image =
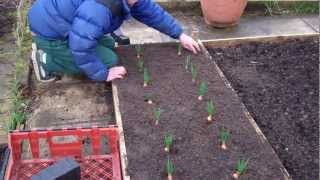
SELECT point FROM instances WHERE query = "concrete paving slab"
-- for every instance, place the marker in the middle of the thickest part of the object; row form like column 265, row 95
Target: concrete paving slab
column 4, row 108
column 4, row 88
column 7, row 67
column 140, row 33
column 312, row 21
column 7, row 61
column 249, row 26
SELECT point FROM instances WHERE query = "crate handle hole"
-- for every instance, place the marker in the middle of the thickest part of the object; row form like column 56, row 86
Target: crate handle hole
column 65, row 139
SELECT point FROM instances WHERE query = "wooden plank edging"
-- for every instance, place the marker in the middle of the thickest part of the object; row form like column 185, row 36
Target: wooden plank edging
column 268, row 38
column 122, row 144
column 244, row 108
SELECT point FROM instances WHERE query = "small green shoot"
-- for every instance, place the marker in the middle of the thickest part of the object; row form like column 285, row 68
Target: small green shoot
column 210, row 110
column 187, row 63
column 179, row 49
column 146, row 77
column 157, row 113
column 170, row 168
column 140, row 65
column 203, row 88
column 242, row 166
column 224, row 136
column 138, row 50
column 194, row 72
column 168, row 139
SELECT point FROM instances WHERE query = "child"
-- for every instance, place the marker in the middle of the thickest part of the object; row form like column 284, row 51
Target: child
column 71, row 35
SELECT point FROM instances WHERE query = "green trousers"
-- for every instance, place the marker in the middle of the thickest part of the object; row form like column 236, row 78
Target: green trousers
column 60, row 61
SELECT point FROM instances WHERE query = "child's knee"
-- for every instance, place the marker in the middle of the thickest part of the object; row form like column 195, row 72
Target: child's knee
column 108, row 42
column 113, row 61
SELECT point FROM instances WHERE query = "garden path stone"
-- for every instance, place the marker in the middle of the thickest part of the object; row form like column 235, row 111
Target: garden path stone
column 312, row 21
column 7, row 67
column 249, row 26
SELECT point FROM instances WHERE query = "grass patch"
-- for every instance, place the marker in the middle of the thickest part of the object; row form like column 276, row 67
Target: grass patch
column 305, row 7
column 19, row 104
column 291, row 8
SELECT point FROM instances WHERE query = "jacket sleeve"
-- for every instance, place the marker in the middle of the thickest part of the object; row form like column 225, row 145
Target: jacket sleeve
column 151, row 14
column 88, row 27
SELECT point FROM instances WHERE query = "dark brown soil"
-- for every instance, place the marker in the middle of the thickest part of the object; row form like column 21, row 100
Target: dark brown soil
column 279, row 84
column 197, row 153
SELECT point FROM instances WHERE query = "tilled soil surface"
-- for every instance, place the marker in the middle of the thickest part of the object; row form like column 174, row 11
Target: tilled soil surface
column 279, row 84
column 196, row 151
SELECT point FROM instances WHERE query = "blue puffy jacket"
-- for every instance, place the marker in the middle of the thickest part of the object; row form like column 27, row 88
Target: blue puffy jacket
column 84, row 22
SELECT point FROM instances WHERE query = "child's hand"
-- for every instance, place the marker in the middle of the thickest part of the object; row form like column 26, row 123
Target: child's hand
column 189, row 43
column 116, row 73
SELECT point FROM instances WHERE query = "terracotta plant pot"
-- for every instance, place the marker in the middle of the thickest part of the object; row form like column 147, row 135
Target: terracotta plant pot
column 222, row 13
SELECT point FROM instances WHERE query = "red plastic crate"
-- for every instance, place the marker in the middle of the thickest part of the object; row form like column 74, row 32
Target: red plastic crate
column 96, row 166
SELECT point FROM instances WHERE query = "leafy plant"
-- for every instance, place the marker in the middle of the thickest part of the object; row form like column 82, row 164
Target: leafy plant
column 194, row 72
column 157, row 113
column 168, row 140
column 294, row 8
column 210, row 110
column 138, row 50
column 187, row 63
column 140, row 65
column 242, row 166
column 18, row 106
column 306, row 7
column 272, row 7
column 146, row 77
column 203, row 88
column 170, row 168
column 12, row 125
column 224, row 136
column 179, row 49
column 18, row 117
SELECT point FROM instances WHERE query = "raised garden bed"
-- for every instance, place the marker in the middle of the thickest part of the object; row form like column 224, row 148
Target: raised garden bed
column 279, row 84
column 71, row 103
column 196, row 151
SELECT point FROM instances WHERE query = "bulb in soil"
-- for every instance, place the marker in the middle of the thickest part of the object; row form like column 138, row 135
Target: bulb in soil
column 138, row 56
column 145, row 84
column 170, row 177
column 149, row 101
column 179, row 53
column 209, row 118
column 157, row 122
column 224, row 146
column 200, row 98
column 235, row 175
column 166, row 149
